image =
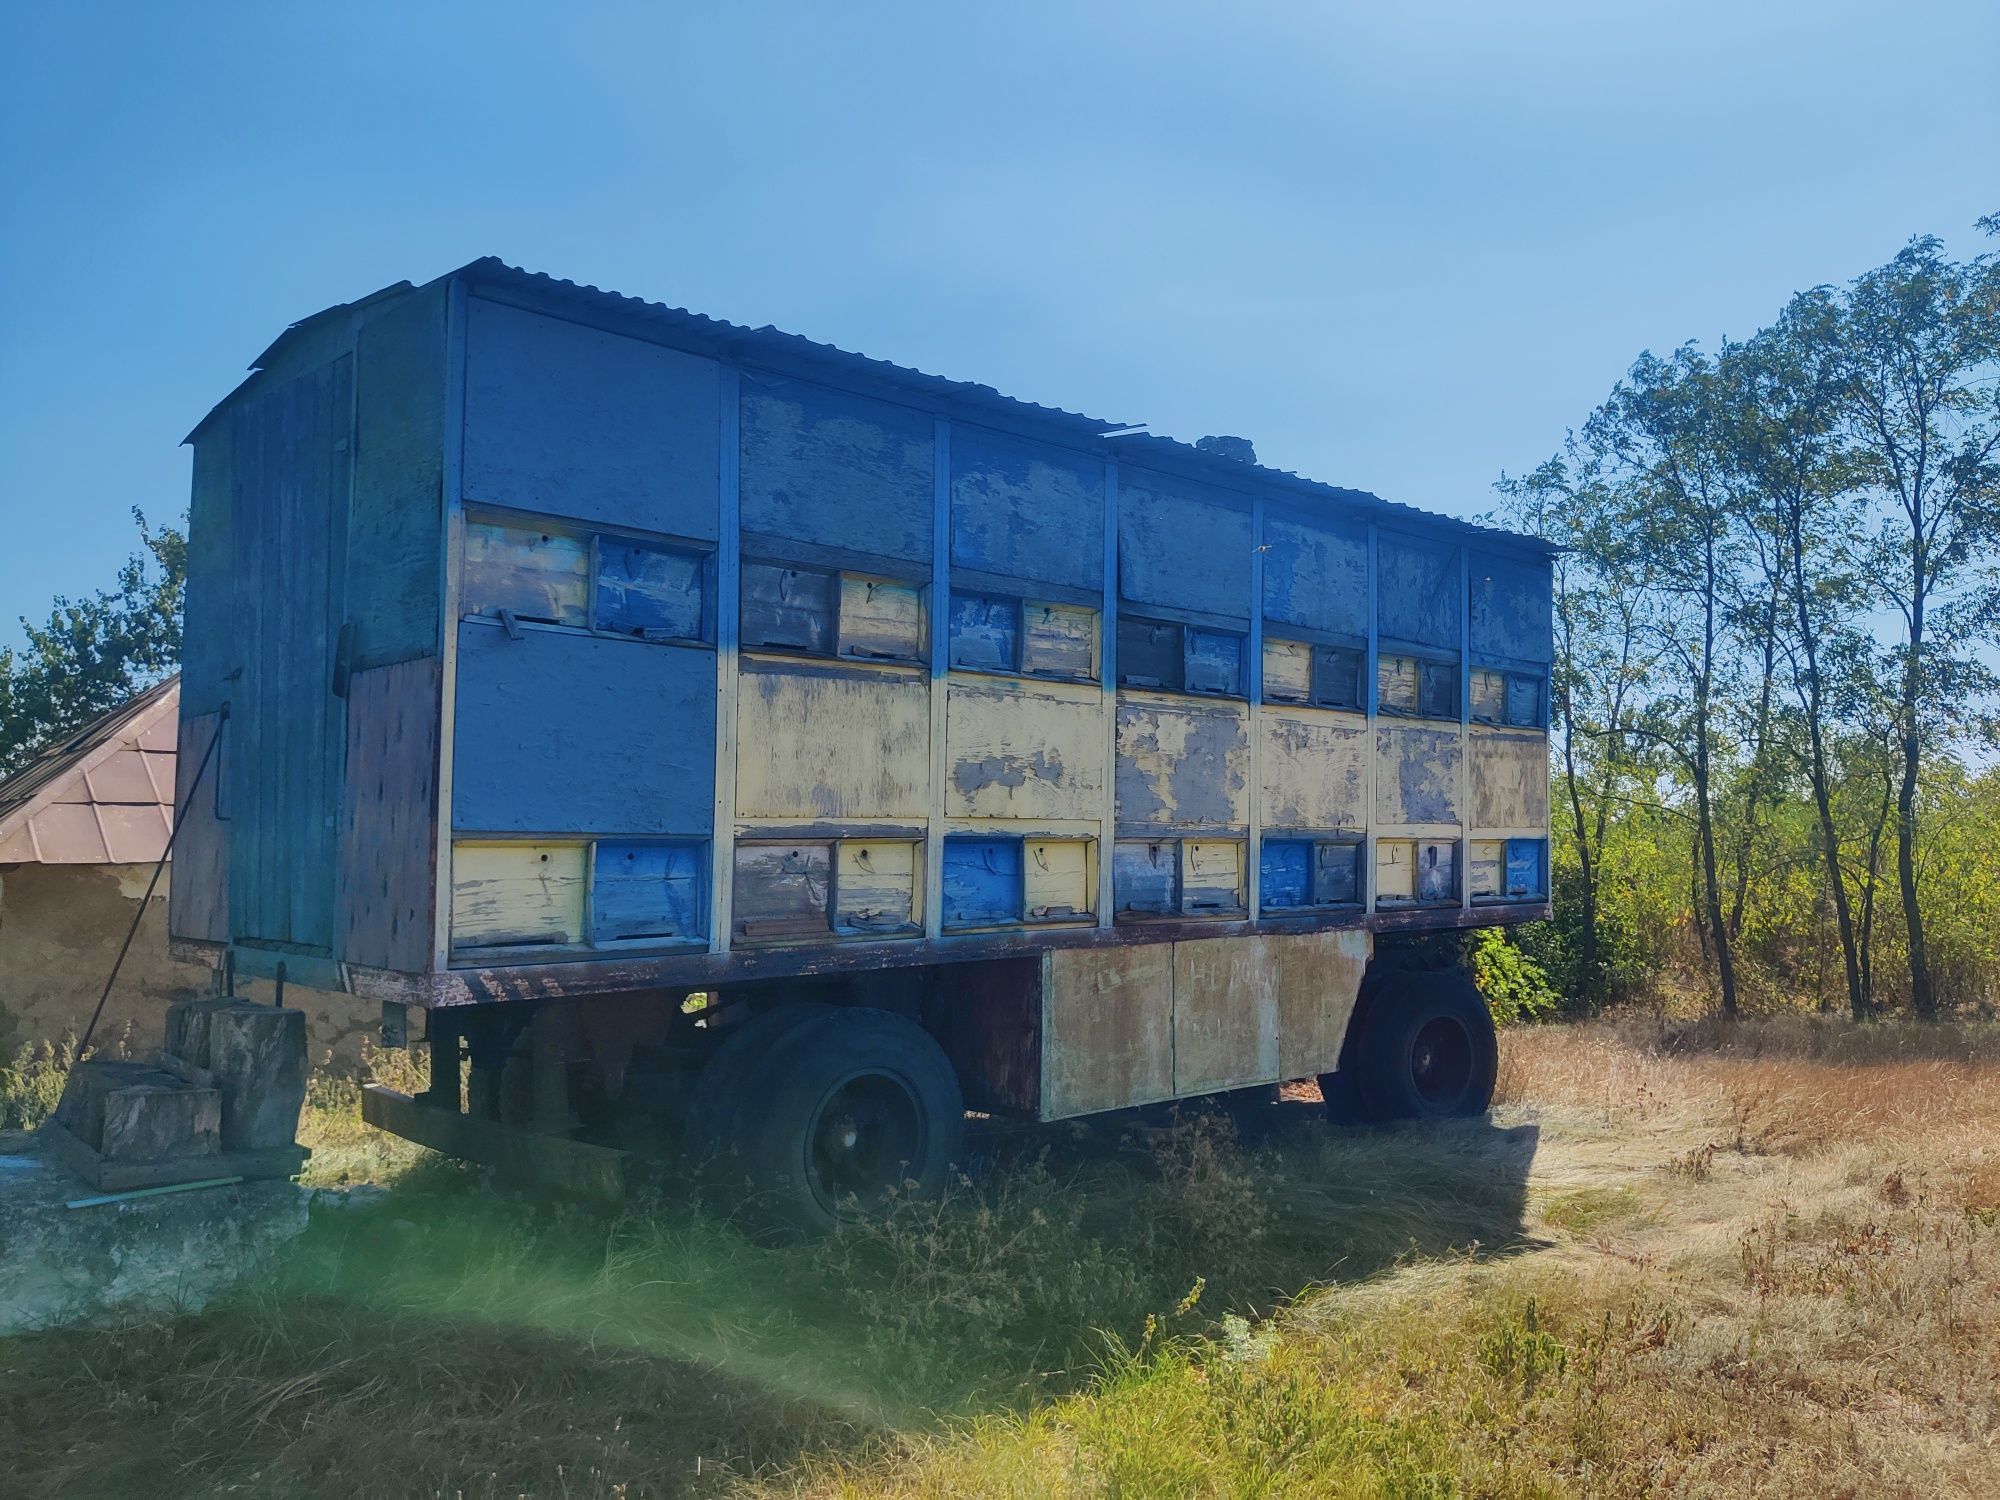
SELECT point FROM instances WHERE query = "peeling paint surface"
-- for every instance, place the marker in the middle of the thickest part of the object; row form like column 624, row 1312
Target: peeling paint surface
column 826, row 466
column 832, row 743
column 1182, row 764
column 1418, row 594
column 1316, row 573
column 1026, row 510
column 1179, row 544
column 1416, row 779
column 1509, row 780
column 1315, row 769
column 1510, row 608
column 1023, row 750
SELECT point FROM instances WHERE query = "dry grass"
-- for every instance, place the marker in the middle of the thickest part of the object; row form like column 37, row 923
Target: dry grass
column 1682, row 1260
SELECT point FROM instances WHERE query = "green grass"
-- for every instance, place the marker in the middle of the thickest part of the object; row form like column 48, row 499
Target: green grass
column 1224, row 1306
column 462, row 1338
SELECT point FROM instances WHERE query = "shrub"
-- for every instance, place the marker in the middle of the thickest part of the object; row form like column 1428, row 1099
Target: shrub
column 31, row 1085
column 1515, row 986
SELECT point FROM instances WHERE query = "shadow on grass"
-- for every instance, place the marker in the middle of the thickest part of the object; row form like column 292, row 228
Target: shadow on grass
column 462, row 1338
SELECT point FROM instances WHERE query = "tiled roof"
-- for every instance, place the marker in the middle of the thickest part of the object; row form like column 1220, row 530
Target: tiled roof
column 103, row 796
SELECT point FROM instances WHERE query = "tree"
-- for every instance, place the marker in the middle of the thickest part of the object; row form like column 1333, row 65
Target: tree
column 1807, row 526
column 94, row 652
column 1664, row 433
column 1920, row 406
column 1601, row 662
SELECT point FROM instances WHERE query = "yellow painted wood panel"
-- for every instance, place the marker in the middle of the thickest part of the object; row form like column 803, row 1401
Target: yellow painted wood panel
column 1315, row 769
column 1395, row 870
column 1396, row 679
column 1107, row 1028
column 538, row 575
column 831, row 744
column 880, row 617
column 1059, row 639
column 1182, row 763
column 1509, row 780
column 1318, row 978
column 875, row 885
column 1489, row 695
column 507, row 894
column 1211, row 876
column 1486, row 866
column 1287, row 671
column 1024, row 750
column 1225, row 1014
column 1061, row 880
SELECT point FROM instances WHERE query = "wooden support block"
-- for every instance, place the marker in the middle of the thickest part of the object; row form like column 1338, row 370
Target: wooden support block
column 258, row 1056
column 153, row 1123
column 87, row 1094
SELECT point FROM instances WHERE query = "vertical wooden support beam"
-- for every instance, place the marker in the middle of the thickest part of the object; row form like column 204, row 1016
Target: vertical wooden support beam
column 728, row 614
column 1370, row 680
column 447, row 1065
column 1465, row 728
column 552, row 1029
column 1107, row 668
column 449, row 568
column 1253, row 677
column 940, row 628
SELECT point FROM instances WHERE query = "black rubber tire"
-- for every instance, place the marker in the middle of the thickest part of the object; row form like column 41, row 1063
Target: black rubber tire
column 730, row 1080
column 836, row 1111
column 1342, row 1097
column 1427, row 1050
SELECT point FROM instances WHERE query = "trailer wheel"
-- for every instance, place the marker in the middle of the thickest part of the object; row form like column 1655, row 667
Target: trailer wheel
column 1427, row 1050
column 827, row 1116
column 729, row 1081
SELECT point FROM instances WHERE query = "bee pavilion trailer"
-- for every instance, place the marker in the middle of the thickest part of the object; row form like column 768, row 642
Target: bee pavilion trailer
column 695, row 718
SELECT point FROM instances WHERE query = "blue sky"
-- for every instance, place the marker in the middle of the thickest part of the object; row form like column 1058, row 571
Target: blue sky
column 1400, row 247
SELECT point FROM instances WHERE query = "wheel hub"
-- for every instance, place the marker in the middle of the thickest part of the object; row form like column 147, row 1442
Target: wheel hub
column 868, row 1132
column 1441, row 1063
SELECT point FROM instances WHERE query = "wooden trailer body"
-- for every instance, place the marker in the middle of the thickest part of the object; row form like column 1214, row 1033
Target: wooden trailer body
column 559, row 646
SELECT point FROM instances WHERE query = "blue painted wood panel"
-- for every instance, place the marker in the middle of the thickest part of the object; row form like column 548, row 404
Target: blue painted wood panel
column 561, row 732
column 289, row 478
column 570, row 421
column 1214, row 662
column 985, row 632
column 836, row 469
column 396, row 522
column 641, row 890
column 1182, row 547
column 1026, row 510
column 1419, row 595
column 982, row 881
column 1525, row 877
column 1511, row 608
column 655, row 593
column 210, row 607
column 1284, row 871
column 1316, row 573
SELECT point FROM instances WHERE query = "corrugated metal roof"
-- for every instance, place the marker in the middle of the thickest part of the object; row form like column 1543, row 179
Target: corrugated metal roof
column 793, row 353
column 733, row 340
column 103, row 796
